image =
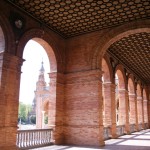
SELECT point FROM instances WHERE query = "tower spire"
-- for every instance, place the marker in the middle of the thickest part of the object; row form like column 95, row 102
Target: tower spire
column 41, row 80
column 42, row 70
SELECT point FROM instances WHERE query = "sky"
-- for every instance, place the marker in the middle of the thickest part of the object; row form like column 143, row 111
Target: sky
column 33, row 54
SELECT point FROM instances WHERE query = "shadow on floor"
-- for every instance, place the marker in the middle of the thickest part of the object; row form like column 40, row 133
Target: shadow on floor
column 135, row 141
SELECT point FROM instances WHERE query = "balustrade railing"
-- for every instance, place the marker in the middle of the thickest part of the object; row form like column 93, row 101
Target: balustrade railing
column 34, row 138
column 132, row 128
column 107, row 133
column 120, row 130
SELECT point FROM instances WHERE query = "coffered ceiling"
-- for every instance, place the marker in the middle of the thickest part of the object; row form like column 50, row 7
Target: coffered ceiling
column 74, row 17
column 70, row 18
column 134, row 52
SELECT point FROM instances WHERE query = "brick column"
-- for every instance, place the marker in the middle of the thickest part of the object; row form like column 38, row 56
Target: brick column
column 136, row 114
column 9, row 99
column 56, row 106
column 107, row 104
column 139, row 109
column 148, row 107
column 124, row 109
column 132, row 105
column 142, row 105
column 145, row 105
column 113, row 112
column 83, row 108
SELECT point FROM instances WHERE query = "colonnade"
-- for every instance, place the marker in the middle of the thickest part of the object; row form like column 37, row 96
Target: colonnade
column 125, row 102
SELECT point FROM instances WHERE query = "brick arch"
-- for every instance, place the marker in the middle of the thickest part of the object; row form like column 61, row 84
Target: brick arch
column 7, row 34
column 48, row 43
column 107, row 71
column 119, row 70
column 116, row 34
column 131, row 84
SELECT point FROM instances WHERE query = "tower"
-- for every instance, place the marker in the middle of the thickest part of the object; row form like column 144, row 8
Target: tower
column 39, row 97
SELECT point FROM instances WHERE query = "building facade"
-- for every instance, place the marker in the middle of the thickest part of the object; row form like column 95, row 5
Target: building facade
column 42, row 100
column 90, row 45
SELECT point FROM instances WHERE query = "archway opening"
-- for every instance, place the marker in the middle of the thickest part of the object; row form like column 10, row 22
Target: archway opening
column 132, row 99
column 2, row 48
column 120, row 98
column 106, row 94
column 35, row 81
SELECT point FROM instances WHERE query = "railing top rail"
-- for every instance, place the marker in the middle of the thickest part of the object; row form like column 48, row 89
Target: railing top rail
column 120, row 126
column 35, row 130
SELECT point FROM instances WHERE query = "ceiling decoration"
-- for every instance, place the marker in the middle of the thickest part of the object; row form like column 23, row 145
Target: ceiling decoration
column 134, row 52
column 75, row 17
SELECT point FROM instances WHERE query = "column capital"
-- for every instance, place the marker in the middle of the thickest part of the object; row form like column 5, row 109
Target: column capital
column 139, row 98
column 132, row 95
column 145, row 100
column 123, row 91
column 11, row 62
column 60, row 77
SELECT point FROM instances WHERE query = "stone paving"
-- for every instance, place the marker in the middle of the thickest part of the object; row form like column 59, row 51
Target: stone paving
column 135, row 141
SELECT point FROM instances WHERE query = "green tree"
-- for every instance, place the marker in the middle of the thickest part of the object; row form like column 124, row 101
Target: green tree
column 24, row 109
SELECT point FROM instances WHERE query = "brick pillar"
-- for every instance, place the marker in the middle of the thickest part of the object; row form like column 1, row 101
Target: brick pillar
column 145, row 105
column 107, row 103
column 113, row 112
column 142, row 105
column 83, row 108
column 132, row 105
column 136, row 114
column 56, row 106
column 124, row 109
column 9, row 99
column 148, row 107
column 139, row 109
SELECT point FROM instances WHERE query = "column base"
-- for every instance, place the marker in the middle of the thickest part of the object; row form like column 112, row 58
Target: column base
column 102, row 143
column 114, row 136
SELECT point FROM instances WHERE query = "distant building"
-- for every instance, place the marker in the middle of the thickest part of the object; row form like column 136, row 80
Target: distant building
column 40, row 101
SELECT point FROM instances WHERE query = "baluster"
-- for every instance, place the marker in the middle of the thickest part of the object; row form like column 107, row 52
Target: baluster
column 22, row 140
column 42, row 137
column 36, row 137
column 47, row 137
column 28, row 138
column 33, row 138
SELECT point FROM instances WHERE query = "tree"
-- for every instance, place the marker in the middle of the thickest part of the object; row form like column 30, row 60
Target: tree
column 24, row 110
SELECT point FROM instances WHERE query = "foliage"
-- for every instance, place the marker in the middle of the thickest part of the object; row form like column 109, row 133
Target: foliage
column 46, row 119
column 33, row 119
column 24, row 109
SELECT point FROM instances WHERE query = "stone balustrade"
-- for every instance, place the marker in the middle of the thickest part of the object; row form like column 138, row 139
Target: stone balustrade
column 34, row 138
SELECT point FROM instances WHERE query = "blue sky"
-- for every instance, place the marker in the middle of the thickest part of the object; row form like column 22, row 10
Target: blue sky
column 33, row 55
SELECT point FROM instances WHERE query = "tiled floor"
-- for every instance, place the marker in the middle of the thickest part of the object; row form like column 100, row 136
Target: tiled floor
column 135, row 141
